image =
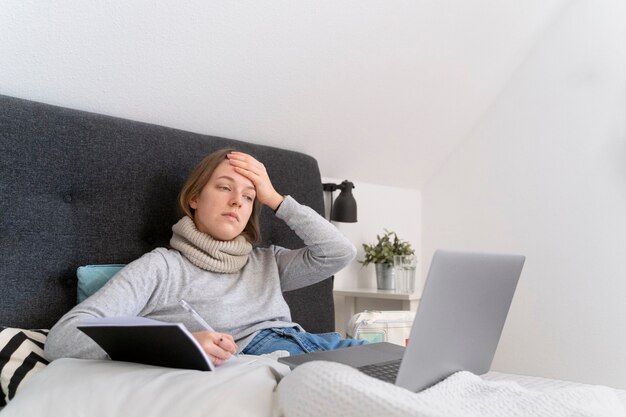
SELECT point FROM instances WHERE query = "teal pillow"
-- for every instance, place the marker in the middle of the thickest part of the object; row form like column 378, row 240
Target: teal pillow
column 92, row 277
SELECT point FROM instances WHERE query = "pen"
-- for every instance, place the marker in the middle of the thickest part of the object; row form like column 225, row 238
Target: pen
column 195, row 315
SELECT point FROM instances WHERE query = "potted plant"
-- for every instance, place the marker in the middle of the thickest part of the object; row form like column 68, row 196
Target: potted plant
column 381, row 255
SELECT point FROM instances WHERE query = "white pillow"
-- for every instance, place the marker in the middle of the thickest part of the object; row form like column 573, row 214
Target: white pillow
column 94, row 388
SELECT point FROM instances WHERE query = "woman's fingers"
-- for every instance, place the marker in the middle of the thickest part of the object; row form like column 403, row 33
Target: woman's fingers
column 218, row 346
column 255, row 171
column 227, row 343
column 248, row 166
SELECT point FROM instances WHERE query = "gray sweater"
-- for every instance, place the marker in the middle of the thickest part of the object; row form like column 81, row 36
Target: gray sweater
column 240, row 303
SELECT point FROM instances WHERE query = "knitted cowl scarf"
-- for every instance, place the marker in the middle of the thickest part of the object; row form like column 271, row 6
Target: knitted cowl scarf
column 207, row 253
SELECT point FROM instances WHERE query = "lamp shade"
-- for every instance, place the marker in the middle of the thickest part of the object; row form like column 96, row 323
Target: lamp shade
column 344, row 207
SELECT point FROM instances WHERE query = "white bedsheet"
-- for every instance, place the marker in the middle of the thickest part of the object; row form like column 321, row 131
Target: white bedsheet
column 70, row 387
column 544, row 384
column 331, row 389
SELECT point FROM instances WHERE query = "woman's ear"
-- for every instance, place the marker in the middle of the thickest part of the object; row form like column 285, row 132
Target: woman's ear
column 193, row 202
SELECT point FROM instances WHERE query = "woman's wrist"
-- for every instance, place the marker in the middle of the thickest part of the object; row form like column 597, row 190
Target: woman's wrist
column 275, row 202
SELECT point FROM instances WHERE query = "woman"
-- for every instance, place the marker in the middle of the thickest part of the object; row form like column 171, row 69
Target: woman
column 213, row 266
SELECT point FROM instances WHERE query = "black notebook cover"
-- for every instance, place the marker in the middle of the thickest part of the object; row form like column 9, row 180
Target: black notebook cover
column 151, row 343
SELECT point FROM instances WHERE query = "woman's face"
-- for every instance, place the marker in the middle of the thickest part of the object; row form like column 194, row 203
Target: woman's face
column 223, row 207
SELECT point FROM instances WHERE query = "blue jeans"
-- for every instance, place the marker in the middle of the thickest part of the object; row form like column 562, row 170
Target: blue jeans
column 296, row 341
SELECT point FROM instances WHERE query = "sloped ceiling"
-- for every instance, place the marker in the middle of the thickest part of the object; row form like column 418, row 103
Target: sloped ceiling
column 378, row 91
column 412, row 95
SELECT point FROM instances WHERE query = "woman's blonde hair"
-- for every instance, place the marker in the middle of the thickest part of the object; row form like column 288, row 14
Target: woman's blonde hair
column 199, row 177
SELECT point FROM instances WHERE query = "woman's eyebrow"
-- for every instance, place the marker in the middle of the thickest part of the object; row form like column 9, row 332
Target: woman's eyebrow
column 231, row 179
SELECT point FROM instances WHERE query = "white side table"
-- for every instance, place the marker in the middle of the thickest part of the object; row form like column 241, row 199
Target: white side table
column 409, row 301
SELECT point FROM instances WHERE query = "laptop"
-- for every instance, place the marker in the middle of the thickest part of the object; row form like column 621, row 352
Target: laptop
column 457, row 325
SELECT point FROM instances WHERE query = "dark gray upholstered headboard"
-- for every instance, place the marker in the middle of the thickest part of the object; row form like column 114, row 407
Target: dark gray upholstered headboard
column 79, row 188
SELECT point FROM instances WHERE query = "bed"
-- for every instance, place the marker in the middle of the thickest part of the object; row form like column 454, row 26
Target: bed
column 79, row 188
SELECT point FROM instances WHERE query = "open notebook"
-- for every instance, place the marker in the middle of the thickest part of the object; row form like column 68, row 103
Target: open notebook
column 152, row 342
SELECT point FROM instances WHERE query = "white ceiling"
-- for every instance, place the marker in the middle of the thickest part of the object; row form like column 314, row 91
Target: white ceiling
column 378, row 91
column 408, row 98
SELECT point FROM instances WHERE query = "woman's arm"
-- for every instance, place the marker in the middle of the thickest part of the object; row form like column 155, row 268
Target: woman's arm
column 128, row 293
column 327, row 251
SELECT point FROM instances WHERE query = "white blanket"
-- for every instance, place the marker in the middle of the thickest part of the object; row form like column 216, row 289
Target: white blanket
column 331, row 389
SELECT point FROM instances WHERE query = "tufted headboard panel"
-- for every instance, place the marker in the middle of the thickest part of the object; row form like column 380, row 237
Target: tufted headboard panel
column 79, row 188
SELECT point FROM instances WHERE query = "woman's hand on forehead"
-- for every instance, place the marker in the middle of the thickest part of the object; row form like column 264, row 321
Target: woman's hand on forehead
column 255, row 171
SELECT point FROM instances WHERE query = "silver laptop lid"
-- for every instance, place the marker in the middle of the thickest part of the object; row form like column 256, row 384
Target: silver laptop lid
column 460, row 317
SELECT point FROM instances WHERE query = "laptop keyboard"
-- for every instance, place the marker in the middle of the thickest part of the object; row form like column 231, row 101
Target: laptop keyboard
column 386, row 371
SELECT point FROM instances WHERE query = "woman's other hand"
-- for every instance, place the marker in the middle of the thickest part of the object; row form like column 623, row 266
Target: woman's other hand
column 254, row 170
column 218, row 346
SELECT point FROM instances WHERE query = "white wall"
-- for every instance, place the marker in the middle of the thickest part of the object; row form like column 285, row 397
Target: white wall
column 544, row 174
column 379, row 207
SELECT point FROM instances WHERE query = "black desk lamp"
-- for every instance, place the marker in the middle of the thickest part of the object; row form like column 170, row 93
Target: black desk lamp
column 344, row 208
